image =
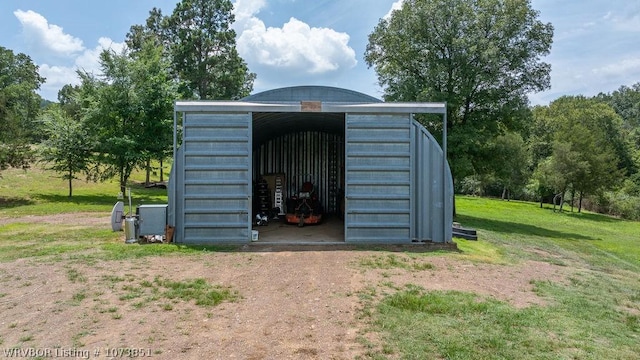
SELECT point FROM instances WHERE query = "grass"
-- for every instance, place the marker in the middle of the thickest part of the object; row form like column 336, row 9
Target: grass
column 593, row 315
column 392, row 261
column 84, row 243
column 517, row 230
column 197, row 290
column 40, row 192
column 37, row 192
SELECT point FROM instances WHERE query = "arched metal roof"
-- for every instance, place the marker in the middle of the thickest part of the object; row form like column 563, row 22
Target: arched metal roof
column 311, row 93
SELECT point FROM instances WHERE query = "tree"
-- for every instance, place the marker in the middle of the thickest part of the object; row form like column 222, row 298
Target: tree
column 129, row 108
column 509, row 162
column 561, row 170
column 112, row 112
column 19, row 107
column 583, row 155
column 481, row 57
column 156, row 93
column 626, row 103
column 202, row 48
column 153, row 31
column 67, row 98
column 68, row 146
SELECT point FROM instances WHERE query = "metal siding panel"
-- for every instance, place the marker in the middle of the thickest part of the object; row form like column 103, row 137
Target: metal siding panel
column 378, row 178
column 430, row 212
column 217, row 175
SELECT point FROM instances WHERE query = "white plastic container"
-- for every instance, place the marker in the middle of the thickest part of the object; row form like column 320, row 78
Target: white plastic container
column 254, row 235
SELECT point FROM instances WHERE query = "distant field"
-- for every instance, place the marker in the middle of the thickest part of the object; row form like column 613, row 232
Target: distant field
column 39, row 192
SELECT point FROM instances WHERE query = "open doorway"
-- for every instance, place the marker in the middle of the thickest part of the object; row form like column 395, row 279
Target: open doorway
column 291, row 151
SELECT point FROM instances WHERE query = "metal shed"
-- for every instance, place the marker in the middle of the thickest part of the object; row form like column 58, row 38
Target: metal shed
column 372, row 162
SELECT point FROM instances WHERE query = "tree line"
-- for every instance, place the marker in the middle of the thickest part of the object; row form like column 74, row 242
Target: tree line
column 482, row 58
column 122, row 118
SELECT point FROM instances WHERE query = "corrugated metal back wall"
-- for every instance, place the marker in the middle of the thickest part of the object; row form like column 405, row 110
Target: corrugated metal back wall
column 315, row 155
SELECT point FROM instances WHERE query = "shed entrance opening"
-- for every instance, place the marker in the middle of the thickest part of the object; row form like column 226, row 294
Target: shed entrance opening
column 292, row 151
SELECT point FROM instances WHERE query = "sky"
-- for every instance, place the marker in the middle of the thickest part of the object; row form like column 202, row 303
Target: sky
column 596, row 45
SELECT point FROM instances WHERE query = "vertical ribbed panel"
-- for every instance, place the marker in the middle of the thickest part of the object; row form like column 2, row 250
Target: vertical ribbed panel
column 216, row 189
column 307, row 155
column 378, row 178
column 432, row 222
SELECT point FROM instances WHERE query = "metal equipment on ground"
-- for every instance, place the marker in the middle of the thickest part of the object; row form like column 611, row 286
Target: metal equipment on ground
column 304, row 208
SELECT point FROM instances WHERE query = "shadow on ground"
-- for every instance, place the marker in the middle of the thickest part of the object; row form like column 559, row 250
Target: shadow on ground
column 517, row 228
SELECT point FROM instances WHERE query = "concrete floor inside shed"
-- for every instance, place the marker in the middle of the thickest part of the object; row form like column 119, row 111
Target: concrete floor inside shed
column 279, row 231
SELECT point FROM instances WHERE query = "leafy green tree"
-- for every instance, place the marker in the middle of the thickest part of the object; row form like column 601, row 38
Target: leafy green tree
column 202, row 48
column 156, row 94
column 154, row 30
column 112, row 112
column 68, row 146
column 67, row 98
column 542, row 130
column 585, row 134
column 626, row 103
column 129, row 108
column 562, row 170
column 509, row 162
column 19, row 107
column 481, row 57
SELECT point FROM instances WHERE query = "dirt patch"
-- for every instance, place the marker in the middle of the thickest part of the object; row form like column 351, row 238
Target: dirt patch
column 293, row 304
column 87, row 218
column 510, row 283
column 301, row 305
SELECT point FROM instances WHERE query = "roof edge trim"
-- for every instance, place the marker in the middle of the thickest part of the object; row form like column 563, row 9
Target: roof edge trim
column 327, row 107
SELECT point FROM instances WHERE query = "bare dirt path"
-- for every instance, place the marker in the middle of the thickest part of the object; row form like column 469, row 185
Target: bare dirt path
column 86, row 218
column 292, row 305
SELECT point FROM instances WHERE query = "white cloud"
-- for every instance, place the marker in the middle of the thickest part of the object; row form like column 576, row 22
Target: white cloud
column 395, row 6
column 297, row 46
column 627, row 19
column 623, row 67
column 294, row 49
column 57, row 75
column 244, row 10
column 37, row 30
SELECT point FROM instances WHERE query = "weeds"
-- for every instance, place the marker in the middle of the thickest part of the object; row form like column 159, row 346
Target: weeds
column 75, row 276
column 392, row 261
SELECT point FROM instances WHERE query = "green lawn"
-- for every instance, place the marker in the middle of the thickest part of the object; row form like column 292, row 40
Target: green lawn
column 517, row 228
column 596, row 315
column 39, row 192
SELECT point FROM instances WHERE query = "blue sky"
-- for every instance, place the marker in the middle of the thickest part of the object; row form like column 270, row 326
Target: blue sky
column 294, row 42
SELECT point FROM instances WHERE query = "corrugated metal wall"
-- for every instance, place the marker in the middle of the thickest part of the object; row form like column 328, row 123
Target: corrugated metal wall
column 432, row 189
column 397, row 186
column 378, row 178
column 314, row 155
column 216, row 180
